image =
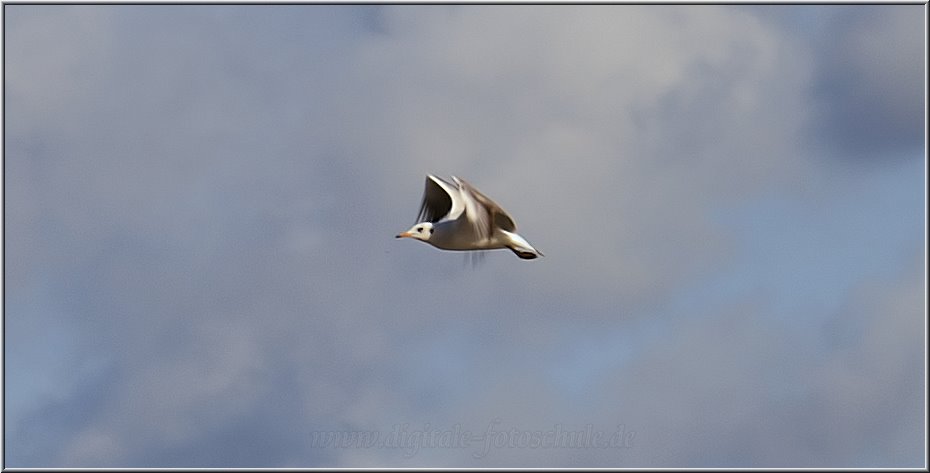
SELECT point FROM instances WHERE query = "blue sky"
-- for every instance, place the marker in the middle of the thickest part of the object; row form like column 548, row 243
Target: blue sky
column 200, row 204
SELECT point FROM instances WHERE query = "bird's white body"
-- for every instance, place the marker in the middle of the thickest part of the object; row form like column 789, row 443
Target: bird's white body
column 456, row 216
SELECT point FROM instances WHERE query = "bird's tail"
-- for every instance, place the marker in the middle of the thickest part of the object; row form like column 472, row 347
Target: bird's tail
column 520, row 246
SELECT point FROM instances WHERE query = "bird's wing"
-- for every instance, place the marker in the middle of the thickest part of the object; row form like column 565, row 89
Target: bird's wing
column 488, row 213
column 440, row 201
column 475, row 215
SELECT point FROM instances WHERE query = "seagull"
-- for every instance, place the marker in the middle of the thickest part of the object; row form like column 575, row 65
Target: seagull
column 456, row 216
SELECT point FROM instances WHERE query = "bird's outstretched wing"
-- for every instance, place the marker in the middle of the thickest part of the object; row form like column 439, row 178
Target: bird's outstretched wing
column 489, row 215
column 440, row 201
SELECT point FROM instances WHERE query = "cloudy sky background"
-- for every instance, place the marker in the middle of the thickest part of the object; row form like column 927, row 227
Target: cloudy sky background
column 201, row 203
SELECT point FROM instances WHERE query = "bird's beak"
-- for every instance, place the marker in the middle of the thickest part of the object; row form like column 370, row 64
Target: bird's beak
column 403, row 235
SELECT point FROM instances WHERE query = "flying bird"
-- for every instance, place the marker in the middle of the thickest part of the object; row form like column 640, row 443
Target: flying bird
column 457, row 216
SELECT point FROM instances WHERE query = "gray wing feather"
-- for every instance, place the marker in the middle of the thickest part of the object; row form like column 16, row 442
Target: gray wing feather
column 493, row 213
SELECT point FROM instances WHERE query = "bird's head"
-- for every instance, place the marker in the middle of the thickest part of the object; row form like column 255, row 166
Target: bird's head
column 420, row 231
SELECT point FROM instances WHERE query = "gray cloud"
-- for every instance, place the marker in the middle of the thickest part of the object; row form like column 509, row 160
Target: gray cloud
column 200, row 206
column 866, row 84
column 870, row 80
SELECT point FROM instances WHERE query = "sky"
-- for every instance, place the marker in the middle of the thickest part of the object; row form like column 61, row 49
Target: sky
column 201, row 201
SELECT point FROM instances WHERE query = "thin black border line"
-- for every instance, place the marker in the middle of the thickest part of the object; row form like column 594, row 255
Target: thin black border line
column 479, row 3
column 3, row 466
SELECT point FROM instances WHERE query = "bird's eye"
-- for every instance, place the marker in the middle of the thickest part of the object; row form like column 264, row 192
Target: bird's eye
column 431, row 231
column 419, row 229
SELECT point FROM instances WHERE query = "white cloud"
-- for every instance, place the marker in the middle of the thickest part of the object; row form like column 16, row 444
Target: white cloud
column 599, row 128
